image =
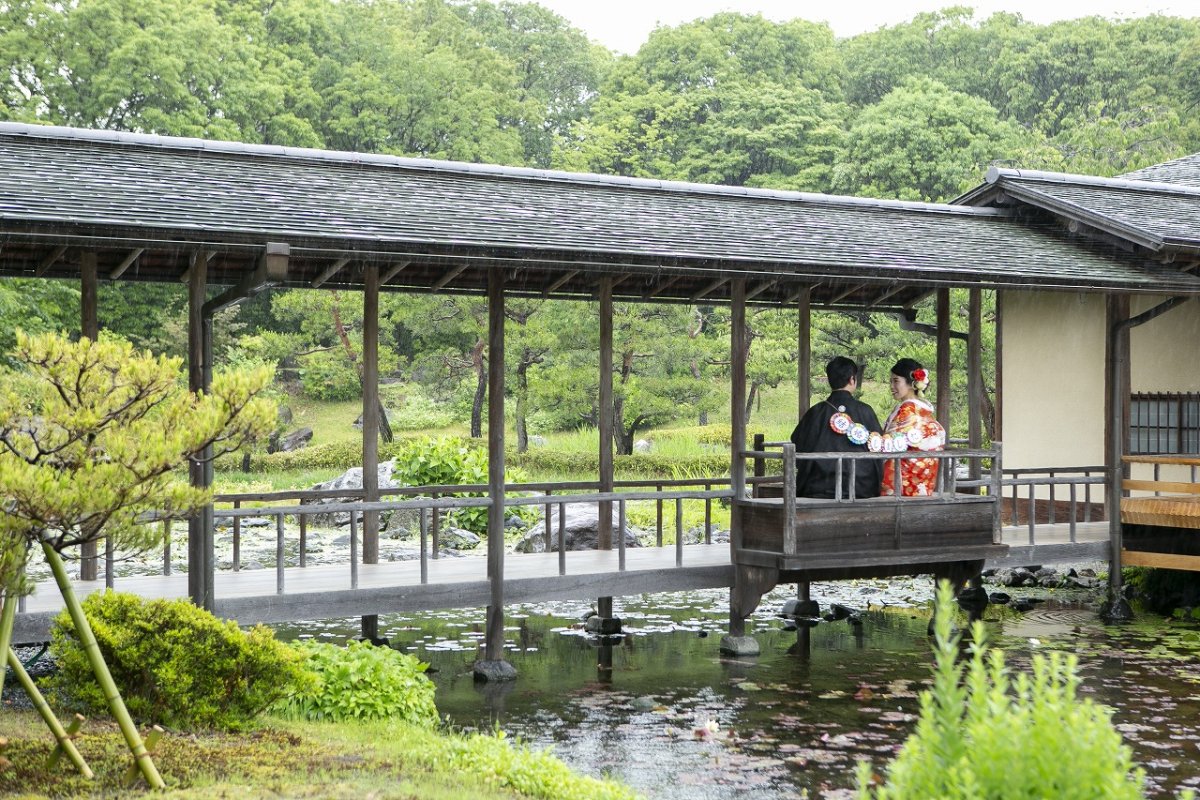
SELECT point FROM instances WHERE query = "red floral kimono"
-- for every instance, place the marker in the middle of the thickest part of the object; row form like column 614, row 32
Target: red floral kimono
column 914, row 419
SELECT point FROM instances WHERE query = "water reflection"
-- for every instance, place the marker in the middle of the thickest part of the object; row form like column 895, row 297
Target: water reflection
column 661, row 709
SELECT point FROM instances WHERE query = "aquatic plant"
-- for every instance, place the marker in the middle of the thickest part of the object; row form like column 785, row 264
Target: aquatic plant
column 362, row 682
column 986, row 734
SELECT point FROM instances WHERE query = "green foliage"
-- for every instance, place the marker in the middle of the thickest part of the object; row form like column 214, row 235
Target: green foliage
column 986, row 735
column 329, row 375
column 446, row 461
column 638, row 465
column 91, row 439
column 417, row 411
column 1164, row 591
column 174, row 663
column 362, row 682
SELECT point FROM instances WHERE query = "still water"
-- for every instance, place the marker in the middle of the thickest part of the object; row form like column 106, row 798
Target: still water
column 663, row 711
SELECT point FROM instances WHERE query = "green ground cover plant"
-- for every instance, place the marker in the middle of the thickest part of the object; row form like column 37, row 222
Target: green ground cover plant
column 361, row 682
column 175, row 664
column 987, row 734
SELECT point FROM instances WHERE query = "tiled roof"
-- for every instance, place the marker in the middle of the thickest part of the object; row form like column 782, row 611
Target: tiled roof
column 1181, row 171
column 122, row 191
column 1158, row 216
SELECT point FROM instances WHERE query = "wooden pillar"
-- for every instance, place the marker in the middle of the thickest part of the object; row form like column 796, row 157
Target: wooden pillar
column 804, row 350
column 89, row 327
column 943, row 358
column 370, row 431
column 605, row 403
column 737, row 443
column 199, row 535
column 998, row 403
column 1116, row 384
column 975, row 376
column 494, row 650
column 370, row 412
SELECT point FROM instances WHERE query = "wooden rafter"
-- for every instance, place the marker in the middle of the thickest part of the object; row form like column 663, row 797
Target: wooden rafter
column 843, row 295
column 707, row 290
column 329, row 272
column 559, row 283
column 50, row 260
column 757, row 290
column 892, row 292
column 126, row 263
column 662, row 287
column 393, row 271
column 794, row 296
column 449, row 276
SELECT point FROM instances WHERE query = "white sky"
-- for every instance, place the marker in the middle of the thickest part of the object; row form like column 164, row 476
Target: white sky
column 623, row 25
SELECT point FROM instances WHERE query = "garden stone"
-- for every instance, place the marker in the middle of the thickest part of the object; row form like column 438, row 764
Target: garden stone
column 582, row 530
column 642, row 446
column 403, row 523
column 247, row 522
column 458, row 539
column 537, row 441
column 795, row 607
column 839, row 611
column 385, row 415
column 295, row 440
column 514, row 522
column 350, row 480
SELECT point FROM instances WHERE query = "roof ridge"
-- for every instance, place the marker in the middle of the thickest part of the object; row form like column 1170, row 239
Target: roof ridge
column 16, row 129
column 997, row 174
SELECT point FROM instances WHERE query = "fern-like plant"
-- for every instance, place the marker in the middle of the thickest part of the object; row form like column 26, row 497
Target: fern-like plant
column 987, row 734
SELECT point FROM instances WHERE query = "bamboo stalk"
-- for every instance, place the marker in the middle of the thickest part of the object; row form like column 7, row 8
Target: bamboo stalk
column 8, row 616
column 43, row 708
column 88, row 639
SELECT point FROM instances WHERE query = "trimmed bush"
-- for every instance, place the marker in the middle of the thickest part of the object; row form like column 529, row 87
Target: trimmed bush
column 639, row 465
column 362, row 682
column 174, row 663
column 984, row 735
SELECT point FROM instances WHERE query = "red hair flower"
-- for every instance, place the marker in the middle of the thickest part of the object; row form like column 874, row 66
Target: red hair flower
column 919, row 375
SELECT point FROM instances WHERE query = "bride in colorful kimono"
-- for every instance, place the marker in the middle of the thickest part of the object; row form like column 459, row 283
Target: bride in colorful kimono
column 912, row 425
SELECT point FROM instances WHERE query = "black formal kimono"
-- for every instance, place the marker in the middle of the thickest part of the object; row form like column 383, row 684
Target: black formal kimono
column 817, row 477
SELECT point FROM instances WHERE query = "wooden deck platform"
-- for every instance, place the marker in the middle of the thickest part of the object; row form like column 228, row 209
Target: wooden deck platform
column 1160, row 530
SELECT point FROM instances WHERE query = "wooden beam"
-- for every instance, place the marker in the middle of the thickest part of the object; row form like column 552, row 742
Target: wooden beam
column 449, row 276
column 199, row 586
column 370, row 412
column 737, row 439
column 494, row 643
column 840, row 296
column 943, row 358
column 762, row 287
column 998, row 403
column 126, row 263
column 392, row 272
column 559, row 282
column 49, row 261
column 975, row 377
column 605, row 402
column 1142, row 558
column 807, row 287
column 89, row 326
column 707, row 290
column 270, row 270
column 329, row 272
column 892, row 292
column 804, row 350
column 662, row 287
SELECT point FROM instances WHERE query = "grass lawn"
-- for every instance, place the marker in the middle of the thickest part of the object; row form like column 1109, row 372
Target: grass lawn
column 295, row 759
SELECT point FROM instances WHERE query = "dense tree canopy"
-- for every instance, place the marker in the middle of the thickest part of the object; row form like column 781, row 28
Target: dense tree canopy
column 917, row 110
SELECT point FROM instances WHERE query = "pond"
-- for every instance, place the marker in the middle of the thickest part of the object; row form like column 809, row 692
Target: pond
column 663, row 711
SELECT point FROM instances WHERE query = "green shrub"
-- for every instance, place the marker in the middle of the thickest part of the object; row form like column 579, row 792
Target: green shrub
column 984, row 735
column 329, row 375
column 416, row 411
column 362, row 682
column 174, row 663
column 447, row 461
column 639, row 465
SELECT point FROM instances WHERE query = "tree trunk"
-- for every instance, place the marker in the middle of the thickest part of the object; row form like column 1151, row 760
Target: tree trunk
column 522, row 402
column 750, row 396
column 480, row 389
column 88, row 640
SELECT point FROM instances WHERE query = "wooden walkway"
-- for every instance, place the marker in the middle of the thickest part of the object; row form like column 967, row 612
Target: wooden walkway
column 323, row 592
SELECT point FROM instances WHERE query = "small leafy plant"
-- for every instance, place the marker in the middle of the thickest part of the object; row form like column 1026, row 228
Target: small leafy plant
column 362, row 682
column 984, row 734
column 176, row 664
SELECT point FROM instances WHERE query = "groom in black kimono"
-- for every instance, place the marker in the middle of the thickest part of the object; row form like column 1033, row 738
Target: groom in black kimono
column 818, row 477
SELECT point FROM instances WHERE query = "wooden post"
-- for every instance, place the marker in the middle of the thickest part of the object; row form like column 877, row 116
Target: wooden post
column 804, row 350
column 943, row 358
column 998, row 403
column 1116, row 380
column 89, row 327
column 737, row 439
column 496, row 667
column 605, row 402
column 370, row 430
column 975, row 378
column 198, row 568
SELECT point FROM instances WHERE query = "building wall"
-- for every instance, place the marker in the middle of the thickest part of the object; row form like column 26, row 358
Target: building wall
column 1053, row 371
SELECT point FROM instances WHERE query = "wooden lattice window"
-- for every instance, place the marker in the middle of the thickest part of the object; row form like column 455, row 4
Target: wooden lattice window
column 1164, row 423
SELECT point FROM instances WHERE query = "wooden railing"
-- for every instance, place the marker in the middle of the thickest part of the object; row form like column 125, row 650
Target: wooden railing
column 1053, row 480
